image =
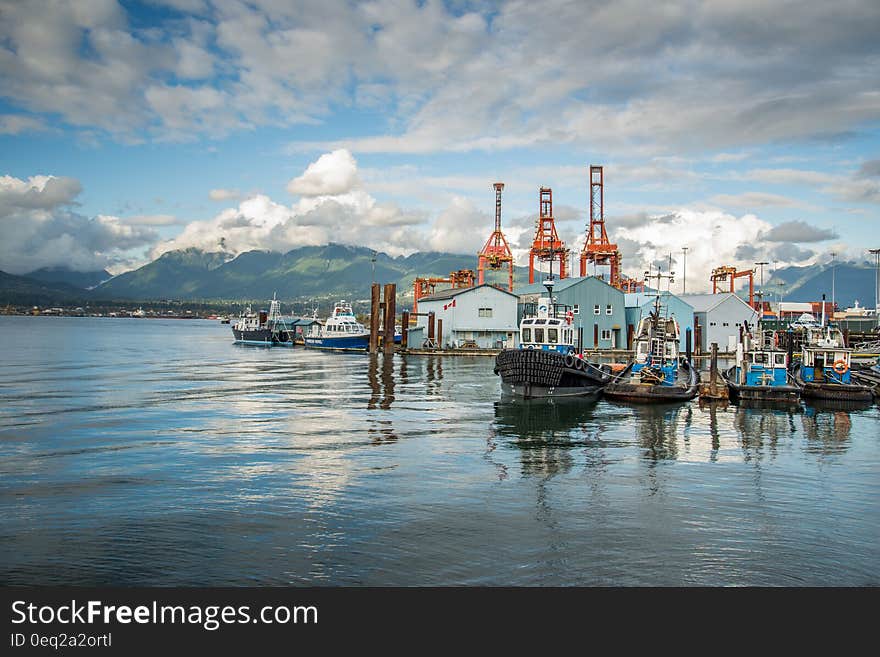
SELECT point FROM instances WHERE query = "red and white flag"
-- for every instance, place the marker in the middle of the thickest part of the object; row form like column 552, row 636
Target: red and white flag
column 447, row 306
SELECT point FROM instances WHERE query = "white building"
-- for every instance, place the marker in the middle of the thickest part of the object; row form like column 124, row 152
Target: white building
column 482, row 316
column 717, row 318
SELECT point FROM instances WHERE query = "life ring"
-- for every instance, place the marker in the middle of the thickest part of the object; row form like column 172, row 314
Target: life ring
column 840, row 367
column 569, row 360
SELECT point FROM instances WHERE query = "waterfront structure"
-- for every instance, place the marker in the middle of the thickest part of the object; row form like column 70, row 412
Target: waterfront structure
column 717, row 318
column 640, row 304
column 482, row 317
column 597, row 308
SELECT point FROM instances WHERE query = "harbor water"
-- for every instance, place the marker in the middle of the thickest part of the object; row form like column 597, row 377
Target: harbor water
column 154, row 452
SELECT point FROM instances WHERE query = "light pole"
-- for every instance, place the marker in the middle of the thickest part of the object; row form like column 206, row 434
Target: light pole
column 373, row 266
column 833, row 269
column 761, row 265
column 876, row 254
column 684, row 267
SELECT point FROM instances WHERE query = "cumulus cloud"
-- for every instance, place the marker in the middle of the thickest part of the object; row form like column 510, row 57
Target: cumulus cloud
column 332, row 207
column 713, row 238
column 38, row 228
column 798, row 231
column 332, row 174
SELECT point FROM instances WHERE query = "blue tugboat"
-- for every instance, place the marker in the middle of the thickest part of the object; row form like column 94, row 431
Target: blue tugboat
column 658, row 373
column 824, row 371
column 761, row 372
column 264, row 329
column 546, row 364
column 341, row 331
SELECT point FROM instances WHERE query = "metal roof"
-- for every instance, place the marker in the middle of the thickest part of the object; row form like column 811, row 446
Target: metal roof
column 454, row 292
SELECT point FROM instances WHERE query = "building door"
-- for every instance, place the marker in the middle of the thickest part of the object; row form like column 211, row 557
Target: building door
column 595, row 336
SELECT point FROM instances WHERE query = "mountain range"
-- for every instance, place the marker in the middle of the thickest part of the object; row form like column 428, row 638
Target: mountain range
column 337, row 271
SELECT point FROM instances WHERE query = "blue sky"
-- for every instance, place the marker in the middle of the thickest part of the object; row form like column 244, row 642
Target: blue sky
column 130, row 129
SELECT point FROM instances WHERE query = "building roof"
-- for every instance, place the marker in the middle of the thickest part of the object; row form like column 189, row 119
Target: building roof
column 561, row 285
column 702, row 303
column 454, row 292
column 639, row 299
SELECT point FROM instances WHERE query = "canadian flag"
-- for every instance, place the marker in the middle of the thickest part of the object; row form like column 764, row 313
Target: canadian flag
column 449, row 305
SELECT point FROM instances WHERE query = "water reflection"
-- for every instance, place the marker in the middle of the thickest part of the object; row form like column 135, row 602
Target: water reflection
column 657, row 428
column 759, row 426
column 381, row 381
column 827, row 426
column 712, row 409
column 545, row 432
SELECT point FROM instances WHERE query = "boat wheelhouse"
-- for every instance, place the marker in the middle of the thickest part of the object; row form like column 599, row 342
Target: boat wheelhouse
column 761, row 370
column 825, row 368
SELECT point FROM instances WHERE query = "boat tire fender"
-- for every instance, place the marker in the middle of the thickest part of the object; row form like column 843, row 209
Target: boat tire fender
column 569, row 360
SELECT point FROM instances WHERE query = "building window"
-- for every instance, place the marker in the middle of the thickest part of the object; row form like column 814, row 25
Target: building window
column 608, row 310
column 485, row 312
column 597, row 310
column 606, row 334
column 576, row 309
column 725, row 324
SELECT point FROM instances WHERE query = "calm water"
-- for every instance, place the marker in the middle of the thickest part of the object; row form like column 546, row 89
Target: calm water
column 148, row 452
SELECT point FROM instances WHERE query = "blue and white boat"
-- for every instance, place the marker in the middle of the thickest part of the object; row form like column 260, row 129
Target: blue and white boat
column 341, row 331
column 761, row 370
column 825, row 368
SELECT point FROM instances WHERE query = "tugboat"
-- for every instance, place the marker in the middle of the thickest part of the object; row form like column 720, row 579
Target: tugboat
column 761, row 372
column 657, row 373
column 546, row 364
column 265, row 329
column 341, row 331
column 824, row 371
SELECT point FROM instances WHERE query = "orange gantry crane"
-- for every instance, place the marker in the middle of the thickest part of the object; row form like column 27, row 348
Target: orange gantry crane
column 598, row 249
column 728, row 273
column 496, row 252
column 423, row 286
column 547, row 246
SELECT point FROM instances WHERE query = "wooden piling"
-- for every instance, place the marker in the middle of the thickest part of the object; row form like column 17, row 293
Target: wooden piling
column 430, row 341
column 374, row 318
column 388, row 320
column 404, row 338
column 440, row 333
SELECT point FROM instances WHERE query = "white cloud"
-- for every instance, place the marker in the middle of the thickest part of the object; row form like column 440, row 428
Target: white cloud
column 224, row 194
column 332, row 174
column 713, row 238
column 14, row 124
column 38, row 228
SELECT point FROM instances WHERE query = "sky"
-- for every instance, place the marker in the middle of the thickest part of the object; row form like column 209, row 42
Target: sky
column 743, row 130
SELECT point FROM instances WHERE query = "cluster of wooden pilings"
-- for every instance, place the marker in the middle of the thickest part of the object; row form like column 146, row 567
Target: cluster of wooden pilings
column 383, row 313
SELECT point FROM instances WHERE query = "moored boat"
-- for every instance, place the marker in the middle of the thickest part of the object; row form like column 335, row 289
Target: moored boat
column 825, row 368
column 341, row 331
column 657, row 373
column 761, row 370
column 263, row 328
column 546, row 363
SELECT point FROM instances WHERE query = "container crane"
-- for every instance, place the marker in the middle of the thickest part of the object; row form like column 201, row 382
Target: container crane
column 729, row 273
column 423, row 286
column 598, row 249
column 547, row 246
column 496, row 252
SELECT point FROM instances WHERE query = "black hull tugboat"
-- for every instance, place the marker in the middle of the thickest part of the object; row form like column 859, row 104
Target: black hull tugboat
column 657, row 374
column 825, row 368
column 761, row 373
column 546, row 364
column 264, row 329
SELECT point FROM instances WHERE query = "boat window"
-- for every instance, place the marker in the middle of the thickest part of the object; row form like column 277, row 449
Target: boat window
column 552, row 335
column 760, row 358
column 540, row 321
column 779, row 359
column 539, row 335
column 526, row 335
